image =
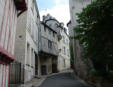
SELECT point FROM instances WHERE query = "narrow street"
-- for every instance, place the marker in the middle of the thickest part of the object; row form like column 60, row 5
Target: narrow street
column 42, row 43
column 65, row 79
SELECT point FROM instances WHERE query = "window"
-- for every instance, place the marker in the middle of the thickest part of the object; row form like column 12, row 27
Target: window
column 32, row 7
column 49, row 31
column 67, row 52
column 64, row 50
column 73, row 7
column 56, row 25
column 53, row 34
column 49, row 44
column 32, row 29
column 28, row 54
column 29, row 25
column 44, row 28
column 50, row 25
column 63, row 39
column 64, row 63
column 32, row 56
column 67, row 41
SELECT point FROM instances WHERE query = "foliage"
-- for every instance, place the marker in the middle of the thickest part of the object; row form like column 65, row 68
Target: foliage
column 95, row 33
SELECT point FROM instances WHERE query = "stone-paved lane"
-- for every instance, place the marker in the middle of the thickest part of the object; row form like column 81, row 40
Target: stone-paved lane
column 63, row 80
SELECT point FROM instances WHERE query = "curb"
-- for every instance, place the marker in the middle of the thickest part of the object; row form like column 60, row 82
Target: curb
column 39, row 82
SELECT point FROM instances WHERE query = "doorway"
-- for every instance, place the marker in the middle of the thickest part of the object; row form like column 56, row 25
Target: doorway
column 54, row 65
column 43, row 70
column 36, row 64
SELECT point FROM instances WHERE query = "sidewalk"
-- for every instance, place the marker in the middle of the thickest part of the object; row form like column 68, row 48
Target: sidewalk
column 36, row 82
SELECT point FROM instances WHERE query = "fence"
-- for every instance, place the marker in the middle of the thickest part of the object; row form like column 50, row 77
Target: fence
column 16, row 75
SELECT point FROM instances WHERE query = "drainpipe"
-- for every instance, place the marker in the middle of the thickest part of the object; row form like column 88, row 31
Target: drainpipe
column 39, row 41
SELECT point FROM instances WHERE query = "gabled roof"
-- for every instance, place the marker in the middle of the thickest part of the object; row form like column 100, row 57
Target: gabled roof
column 48, row 27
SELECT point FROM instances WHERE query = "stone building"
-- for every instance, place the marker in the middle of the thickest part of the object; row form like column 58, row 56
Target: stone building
column 79, row 63
column 48, row 52
column 26, row 50
column 9, row 10
column 63, row 56
column 64, row 51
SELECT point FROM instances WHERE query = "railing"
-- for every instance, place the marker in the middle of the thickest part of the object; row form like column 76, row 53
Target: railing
column 16, row 75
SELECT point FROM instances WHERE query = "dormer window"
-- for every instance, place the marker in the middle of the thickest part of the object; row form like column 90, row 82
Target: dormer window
column 50, row 25
column 56, row 25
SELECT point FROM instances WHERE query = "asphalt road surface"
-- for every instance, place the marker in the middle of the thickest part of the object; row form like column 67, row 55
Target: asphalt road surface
column 63, row 80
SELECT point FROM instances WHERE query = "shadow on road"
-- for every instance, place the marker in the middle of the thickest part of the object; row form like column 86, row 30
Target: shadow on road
column 65, row 79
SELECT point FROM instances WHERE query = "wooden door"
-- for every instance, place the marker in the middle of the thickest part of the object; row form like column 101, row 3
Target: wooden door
column 36, row 65
column 43, row 70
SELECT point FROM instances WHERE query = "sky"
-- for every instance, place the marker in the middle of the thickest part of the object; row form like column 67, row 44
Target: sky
column 56, row 8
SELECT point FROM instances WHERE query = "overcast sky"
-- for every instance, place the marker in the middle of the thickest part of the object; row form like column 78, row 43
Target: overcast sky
column 57, row 8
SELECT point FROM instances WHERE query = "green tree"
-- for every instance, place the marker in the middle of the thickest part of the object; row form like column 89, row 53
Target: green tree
column 95, row 33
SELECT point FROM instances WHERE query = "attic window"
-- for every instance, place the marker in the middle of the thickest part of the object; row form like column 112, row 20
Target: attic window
column 50, row 25
column 20, row 36
column 73, row 7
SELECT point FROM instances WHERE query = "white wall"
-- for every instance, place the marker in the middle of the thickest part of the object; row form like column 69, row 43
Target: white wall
column 76, row 7
column 29, row 23
column 64, row 54
column 31, row 39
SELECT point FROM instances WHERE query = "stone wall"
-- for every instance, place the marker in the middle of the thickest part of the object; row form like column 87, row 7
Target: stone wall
column 80, row 66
